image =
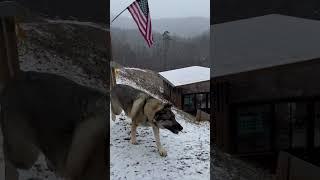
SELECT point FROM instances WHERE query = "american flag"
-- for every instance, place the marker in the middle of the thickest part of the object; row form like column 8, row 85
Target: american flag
column 139, row 10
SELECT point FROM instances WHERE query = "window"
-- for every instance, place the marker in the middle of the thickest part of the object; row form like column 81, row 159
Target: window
column 188, row 100
column 188, row 103
column 253, row 128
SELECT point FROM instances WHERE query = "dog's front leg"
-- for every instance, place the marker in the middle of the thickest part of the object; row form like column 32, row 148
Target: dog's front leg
column 133, row 133
column 156, row 133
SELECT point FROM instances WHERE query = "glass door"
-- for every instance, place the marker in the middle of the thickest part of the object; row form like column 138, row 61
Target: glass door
column 299, row 125
column 201, row 102
column 283, row 129
column 291, row 125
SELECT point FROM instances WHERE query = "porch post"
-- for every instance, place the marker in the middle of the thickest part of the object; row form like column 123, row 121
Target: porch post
column 9, row 61
column 9, row 67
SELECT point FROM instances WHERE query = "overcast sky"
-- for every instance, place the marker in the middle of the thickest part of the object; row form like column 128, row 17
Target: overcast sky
column 167, row 8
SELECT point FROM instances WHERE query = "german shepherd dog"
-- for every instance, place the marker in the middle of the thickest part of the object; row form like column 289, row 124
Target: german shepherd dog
column 65, row 121
column 145, row 110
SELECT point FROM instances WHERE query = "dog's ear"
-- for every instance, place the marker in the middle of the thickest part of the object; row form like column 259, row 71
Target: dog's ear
column 167, row 105
column 137, row 105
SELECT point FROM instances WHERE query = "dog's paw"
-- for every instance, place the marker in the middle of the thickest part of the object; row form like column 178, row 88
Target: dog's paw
column 162, row 152
column 113, row 117
column 133, row 141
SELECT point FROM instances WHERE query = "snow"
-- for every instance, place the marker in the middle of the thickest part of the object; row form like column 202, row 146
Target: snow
column 123, row 80
column 188, row 152
column 56, row 64
column 91, row 24
column 138, row 69
column 38, row 171
column 188, row 75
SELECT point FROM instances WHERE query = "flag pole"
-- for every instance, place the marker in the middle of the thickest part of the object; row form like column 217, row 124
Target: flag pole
column 118, row 15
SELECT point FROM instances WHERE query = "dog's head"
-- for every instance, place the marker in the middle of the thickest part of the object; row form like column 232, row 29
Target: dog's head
column 165, row 119
column 160, row 114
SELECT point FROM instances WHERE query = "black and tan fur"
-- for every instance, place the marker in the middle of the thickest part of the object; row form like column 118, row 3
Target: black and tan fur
column 145, row 110
column 65, row 121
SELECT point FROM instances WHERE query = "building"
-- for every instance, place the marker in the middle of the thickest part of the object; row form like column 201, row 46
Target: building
column 188, row 88
column 265, row 90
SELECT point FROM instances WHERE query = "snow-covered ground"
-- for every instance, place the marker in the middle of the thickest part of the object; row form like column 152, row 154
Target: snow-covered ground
column 137, row 69
column 188, row 152
column 39, row 171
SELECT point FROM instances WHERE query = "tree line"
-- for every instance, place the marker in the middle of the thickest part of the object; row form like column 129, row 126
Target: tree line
column 168, row 52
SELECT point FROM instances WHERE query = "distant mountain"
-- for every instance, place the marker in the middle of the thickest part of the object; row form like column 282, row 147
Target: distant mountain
column 183, row 27
column 130, row 49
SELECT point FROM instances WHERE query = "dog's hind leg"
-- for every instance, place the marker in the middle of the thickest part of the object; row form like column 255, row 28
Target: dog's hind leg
column 156, row 133
column 96, row 168
column 115, row 109
column 133, row 133
column 85, row 139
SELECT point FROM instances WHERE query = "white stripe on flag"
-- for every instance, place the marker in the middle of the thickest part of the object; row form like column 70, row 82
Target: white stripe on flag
column 140, row 11
column 143, row 22
column 139, row 17
column 136, row 9
column 137, row 20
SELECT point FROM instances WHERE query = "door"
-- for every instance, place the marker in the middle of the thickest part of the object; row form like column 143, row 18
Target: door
column 291, row 123
column 201, row 102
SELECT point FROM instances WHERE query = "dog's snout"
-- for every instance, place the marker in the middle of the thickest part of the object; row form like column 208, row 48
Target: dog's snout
column 179, row 127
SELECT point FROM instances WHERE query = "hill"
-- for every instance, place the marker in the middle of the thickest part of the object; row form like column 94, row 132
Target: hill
column 129, row 49
column 182, row 27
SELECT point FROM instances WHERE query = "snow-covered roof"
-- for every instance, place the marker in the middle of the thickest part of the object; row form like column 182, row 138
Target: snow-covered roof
column 188, row 75
column 263, row 42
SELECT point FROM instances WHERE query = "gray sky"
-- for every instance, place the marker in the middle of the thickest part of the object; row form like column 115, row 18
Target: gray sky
column 167, row 8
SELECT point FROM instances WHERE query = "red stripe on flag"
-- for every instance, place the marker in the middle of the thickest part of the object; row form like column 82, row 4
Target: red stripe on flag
column 140, row 29
column 140, row 11
column 137, row 19
column 141, row 20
